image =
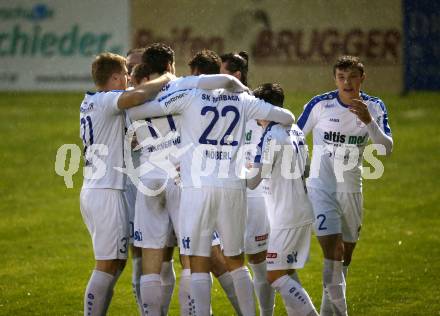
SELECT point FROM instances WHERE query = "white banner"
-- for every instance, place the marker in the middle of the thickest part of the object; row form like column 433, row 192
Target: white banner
column 50, row 45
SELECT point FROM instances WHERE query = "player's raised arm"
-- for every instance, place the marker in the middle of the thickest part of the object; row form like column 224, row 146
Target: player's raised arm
column 143, row 92
column 261, row 110
column 378, row 135
column 211, row 82
column 280, row 115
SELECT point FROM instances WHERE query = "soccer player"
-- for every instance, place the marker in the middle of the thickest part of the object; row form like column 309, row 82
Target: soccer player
column 341, row 121
column 257, row 222
column 282, row 164
column 134, row 57
column 155, row 212
column 102, row 203
column 213, row 125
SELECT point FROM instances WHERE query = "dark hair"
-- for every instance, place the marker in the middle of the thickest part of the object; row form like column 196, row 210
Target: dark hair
column 206, row 62
column 140, row 72
column 237, row 62
column 271, row 93
column 348, row 62
column 158, row 56
column 105, row 65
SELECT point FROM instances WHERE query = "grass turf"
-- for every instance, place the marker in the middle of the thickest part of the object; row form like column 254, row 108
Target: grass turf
column 46, row 254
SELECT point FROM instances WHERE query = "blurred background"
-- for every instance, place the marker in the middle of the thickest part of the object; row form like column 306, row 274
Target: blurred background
column 49, row 45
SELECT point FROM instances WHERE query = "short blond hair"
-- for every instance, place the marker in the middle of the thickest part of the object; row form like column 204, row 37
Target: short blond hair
column 105, row 65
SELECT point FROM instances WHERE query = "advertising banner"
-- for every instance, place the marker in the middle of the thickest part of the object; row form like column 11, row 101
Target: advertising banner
column 422, row 45
column 50, row 45
column 291, row 42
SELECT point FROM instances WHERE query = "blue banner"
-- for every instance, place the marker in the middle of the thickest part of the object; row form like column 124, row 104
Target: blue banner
column 422, row 44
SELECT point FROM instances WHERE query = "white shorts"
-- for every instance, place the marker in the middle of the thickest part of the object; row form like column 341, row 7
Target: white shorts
column 130, row 200
column 337, row 213
column 156, row 217
column 288, row 248
column 257, row 226
column 105, row 214
column 209, row 209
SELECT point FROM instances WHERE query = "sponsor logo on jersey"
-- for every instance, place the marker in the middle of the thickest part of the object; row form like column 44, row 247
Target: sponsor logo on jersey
column 261, row 237
column 271, row 255
column 175, row 98
column 332, row 119
column 248, row 137
column 337, row 137
column 329, row 105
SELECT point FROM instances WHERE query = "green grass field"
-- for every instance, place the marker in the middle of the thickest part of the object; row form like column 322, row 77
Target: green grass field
column 46, row 254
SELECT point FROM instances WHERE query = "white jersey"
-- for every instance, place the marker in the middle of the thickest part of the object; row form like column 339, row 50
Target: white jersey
column 252, row 139
column 159, row 137
column 285, row 153
column 213, row 130
column 102, row 131
column 335, row 127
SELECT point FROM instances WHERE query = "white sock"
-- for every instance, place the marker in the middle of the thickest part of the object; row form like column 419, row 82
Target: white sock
column 227, row 284
column 295, row 297
column 326, row 305
column 151, row 294
column 244, row 290
column 201, row 293
column 185, row 301
column 97, row 290
column 136, row 281
column 109, row 296
column 265, row 293
column 168, row 280
column 334, row 284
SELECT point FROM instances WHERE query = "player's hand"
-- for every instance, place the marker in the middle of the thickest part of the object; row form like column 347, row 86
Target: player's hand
column 360, row 109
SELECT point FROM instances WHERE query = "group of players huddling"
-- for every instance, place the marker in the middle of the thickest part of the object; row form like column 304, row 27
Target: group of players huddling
column 205, row 164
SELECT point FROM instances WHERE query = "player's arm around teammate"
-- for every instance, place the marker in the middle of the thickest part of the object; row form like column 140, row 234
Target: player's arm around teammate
column 101, row 200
